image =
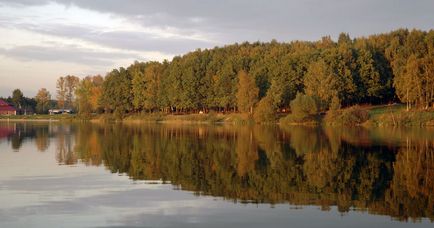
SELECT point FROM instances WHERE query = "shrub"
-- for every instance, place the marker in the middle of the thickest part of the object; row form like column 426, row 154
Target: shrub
column 304, row 105
column 264, row 112
column 354, row 115
column 304, row 110
column 335, row 103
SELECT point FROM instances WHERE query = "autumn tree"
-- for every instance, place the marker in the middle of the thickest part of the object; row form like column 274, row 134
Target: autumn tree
column 71, row 83
column 83, row 94
column 66, row 90
column 43, row 98
column 61, row 92
column 415, row 85
column 428, row 80
column 97, row 82
column 247, row 94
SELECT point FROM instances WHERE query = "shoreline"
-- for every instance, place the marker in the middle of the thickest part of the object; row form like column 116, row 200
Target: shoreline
column 373, row 116
column 28, row 120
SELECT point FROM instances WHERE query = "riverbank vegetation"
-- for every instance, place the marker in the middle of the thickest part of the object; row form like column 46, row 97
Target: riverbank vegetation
column 261, row 79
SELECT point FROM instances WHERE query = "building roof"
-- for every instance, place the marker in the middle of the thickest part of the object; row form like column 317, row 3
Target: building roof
column 4, row 103
column 4, row 106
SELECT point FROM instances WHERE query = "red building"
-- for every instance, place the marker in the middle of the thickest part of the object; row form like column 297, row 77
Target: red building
column 7, row 109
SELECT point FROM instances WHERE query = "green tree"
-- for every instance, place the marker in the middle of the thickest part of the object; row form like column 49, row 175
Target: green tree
column 304, row 105
column 116, row 92
column 18, row 98
column 320, row 82
column 372, row 86
column 282, row 89
column 223, row 86
column 152, row 77
column 138, row 84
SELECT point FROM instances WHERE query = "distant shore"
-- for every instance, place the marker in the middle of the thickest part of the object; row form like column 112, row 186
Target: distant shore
column 37, row 118
column 368, row 116
column 28, row 120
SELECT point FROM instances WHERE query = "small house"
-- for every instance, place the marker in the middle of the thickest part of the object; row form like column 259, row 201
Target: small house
column 7, row 109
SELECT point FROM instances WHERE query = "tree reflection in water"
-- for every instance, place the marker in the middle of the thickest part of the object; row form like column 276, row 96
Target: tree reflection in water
column 382, row 171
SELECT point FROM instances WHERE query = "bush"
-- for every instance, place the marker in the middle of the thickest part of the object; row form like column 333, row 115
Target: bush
column 264, row 112
column 304, row 110
column 354, row 115
column 335, row 104
column 304, row 105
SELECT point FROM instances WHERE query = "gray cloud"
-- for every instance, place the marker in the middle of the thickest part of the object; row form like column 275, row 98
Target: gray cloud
column 143, row 42
column 130, row 40
column 68, row 54
column 263, row 20
column 231, row 21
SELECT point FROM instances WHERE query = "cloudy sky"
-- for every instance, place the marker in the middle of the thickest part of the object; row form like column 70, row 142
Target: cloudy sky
column 43, row 40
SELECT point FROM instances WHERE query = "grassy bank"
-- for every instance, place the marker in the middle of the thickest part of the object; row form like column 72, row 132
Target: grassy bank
column 384, row 115
column 397, row 115
column 232, row 118
column 39, row 117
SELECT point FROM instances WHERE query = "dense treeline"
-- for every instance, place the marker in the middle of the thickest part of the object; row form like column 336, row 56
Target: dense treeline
column 379, row 69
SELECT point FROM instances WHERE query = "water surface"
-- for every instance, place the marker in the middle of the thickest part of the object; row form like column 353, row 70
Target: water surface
column 150, row 175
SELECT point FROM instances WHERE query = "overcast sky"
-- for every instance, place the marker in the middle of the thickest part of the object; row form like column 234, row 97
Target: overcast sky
column 43, row 40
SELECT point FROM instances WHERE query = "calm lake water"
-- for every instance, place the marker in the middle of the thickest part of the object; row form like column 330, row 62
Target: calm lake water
column 114, row 175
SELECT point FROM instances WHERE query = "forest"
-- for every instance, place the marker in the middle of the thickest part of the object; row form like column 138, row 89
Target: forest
column 394, row 67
